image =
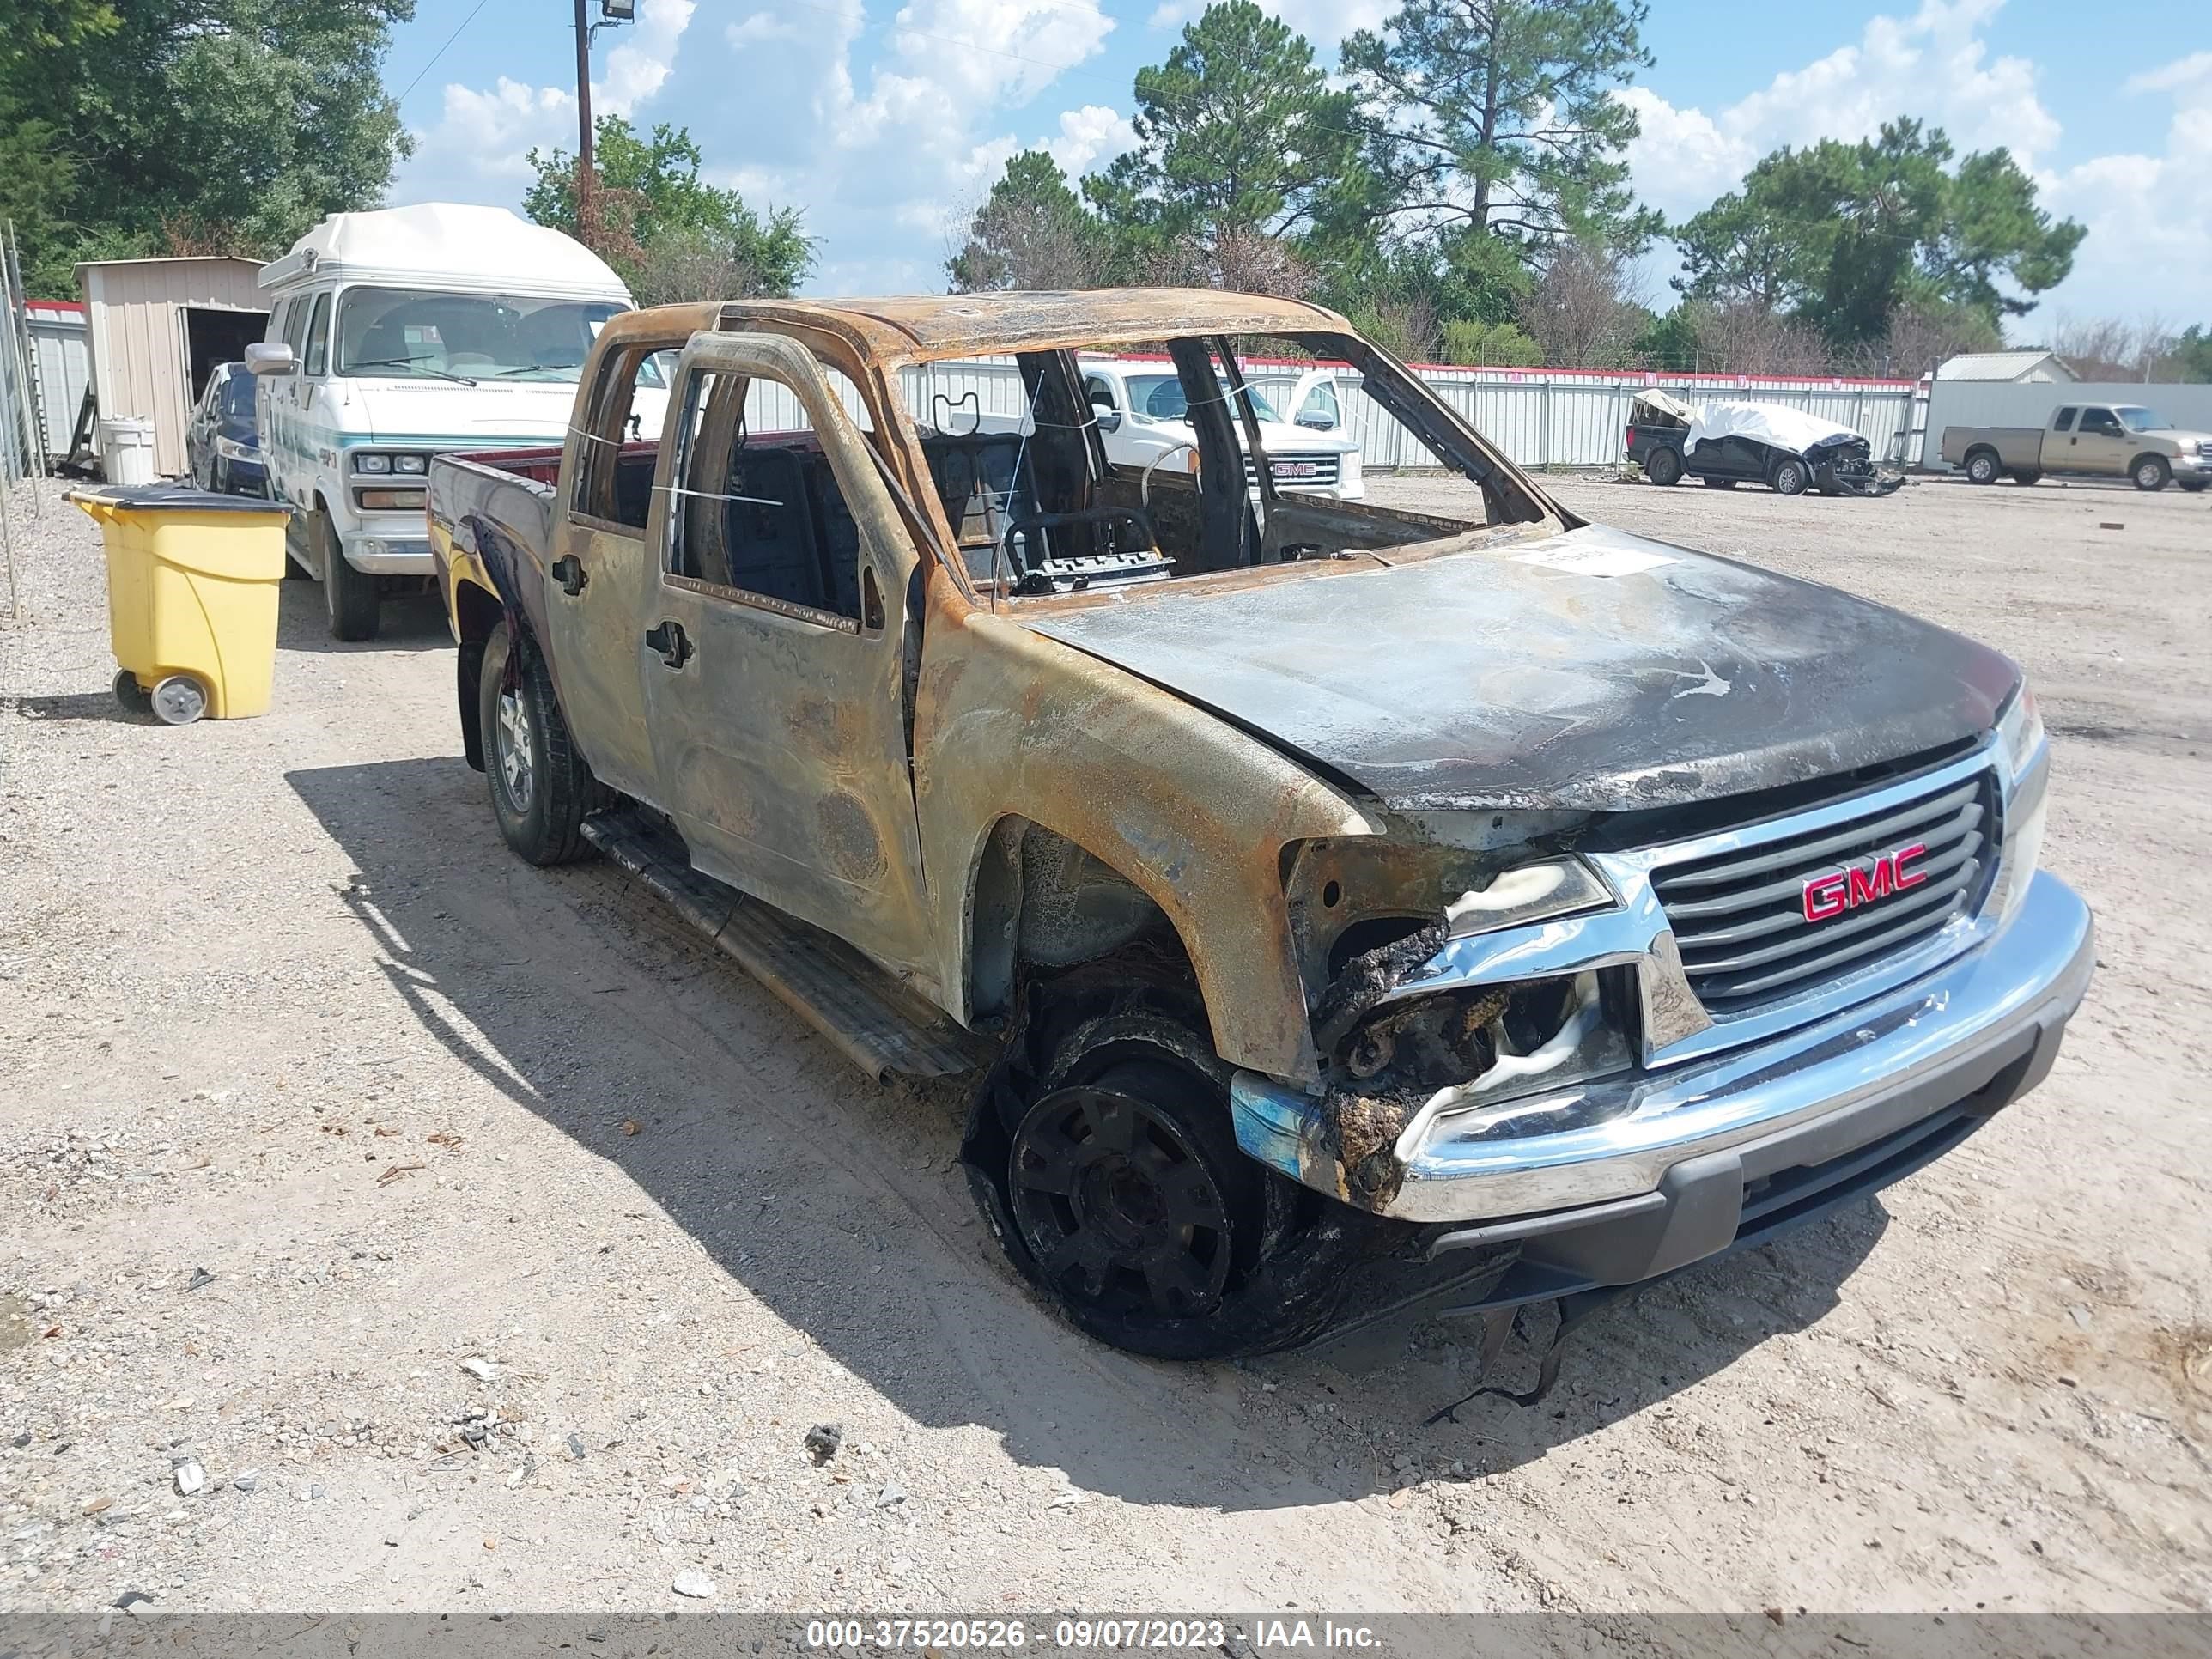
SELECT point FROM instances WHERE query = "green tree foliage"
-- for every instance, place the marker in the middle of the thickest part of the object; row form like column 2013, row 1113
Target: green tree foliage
column 2193, row 354
column 1499, row 116
column 1238, row 135
column 669, row 233
column 137, row 127
column 1032, row 232
column 1846, row 235
column 1492, row 345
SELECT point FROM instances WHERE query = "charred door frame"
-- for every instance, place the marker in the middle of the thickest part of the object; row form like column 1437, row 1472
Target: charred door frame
column 779, row 741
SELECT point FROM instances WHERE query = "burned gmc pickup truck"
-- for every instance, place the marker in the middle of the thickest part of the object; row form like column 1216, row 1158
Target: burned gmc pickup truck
column 1309, row 883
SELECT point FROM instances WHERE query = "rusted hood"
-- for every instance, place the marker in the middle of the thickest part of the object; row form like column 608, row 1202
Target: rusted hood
column 1592, row 671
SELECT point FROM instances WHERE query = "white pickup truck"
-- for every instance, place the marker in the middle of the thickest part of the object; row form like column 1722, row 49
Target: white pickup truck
column 1141, row 410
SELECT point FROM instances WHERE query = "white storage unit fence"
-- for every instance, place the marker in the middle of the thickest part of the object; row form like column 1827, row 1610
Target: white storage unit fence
column 1545, row 419
column 1541, row 417
column 60, row 366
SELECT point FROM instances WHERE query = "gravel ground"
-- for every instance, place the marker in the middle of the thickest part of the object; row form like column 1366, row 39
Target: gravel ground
column 389, row 1224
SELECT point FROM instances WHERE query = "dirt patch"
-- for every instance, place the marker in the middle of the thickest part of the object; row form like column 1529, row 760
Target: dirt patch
column 15, row 1327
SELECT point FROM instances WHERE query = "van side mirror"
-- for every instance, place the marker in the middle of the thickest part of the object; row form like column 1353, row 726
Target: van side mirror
column 1317, row 421
column 1109, row 420
column 270, row 357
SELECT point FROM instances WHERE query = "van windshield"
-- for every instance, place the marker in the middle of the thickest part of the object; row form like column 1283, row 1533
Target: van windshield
column 420, row 332
column 1161, row 398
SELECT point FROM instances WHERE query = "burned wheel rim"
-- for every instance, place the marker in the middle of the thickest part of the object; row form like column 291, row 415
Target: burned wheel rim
column 1118, row 1205
column 517, row 774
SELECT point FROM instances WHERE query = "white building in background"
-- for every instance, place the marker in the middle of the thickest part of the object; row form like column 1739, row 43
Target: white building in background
column 2018, row 368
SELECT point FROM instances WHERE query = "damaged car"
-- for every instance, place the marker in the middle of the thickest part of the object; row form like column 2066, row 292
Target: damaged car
column 1322, row 894
column 1732, row 442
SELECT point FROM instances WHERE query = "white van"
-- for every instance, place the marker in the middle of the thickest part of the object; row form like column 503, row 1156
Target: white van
column 1140, row 407
column 394, row 334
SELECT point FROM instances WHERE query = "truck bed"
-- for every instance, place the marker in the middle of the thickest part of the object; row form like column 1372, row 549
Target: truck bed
column 2017, row 447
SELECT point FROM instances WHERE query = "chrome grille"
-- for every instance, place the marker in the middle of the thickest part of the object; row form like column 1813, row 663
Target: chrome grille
column 1740, row 917
column 1298, row 469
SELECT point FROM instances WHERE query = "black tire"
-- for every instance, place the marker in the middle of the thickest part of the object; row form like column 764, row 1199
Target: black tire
column 349, row 595
column 2193, row 485
column 2028, row 478
column 541, row 789
column 1718, row 484
column 1790, row 476
column 131, row 694
column 1983, row 466
column 1130, row 1204
column 2150, row 472
column 1663, row 465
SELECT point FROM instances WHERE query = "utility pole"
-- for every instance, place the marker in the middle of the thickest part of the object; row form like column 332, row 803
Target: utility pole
column 585, row 178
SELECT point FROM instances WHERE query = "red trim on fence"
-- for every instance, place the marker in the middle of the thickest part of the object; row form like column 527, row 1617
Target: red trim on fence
column 76, row 306
column 1523, row 374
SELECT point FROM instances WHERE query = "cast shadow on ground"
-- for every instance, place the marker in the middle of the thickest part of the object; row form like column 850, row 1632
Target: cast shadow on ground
column 101, row 708
column 411, row 622
column 801, row 1194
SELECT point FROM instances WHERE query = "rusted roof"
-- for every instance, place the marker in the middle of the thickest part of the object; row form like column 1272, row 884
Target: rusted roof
column 917, row 327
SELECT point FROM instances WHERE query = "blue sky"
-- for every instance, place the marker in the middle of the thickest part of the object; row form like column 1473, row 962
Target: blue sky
column 887, row 121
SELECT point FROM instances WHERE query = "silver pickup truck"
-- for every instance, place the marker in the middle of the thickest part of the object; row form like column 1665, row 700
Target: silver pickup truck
column 1313, row 887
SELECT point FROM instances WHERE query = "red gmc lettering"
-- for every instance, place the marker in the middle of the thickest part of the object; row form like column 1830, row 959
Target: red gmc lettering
column 1908, row 878
column 1846, row 890
column 1827, row 896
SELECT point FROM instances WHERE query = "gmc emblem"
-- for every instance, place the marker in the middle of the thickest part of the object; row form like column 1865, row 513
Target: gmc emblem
column 1828, row 896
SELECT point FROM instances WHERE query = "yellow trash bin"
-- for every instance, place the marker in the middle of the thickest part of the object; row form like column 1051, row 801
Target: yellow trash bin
column 192, row 582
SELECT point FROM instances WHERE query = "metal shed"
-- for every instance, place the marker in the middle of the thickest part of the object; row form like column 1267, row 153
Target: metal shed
column 157, row 327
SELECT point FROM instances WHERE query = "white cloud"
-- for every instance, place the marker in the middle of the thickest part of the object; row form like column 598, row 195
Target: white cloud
column 2145, row 213
column 761, row 25
column 639, row 64
column 2149, row 217
column 1936, row 64
column 1089, row 137
column 887, row 154
column 2194, row 71
column 478, row 146
column 1323, row 22
column 487, row 133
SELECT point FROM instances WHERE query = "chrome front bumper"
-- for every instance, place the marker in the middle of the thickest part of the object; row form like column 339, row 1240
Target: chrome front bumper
column 379, row 552
column 1992, row 1016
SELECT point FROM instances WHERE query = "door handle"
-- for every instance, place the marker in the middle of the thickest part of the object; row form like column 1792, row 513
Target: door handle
column 569, row 572
column 670, row 639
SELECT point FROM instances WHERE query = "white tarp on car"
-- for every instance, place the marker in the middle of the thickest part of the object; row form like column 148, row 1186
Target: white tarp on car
column 1777, row 424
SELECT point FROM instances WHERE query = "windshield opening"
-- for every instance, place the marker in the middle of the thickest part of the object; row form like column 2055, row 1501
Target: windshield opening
column 2143, row 420
column 238, row 395
column 1160, row 397
column 421, row 333
column 1077, row 469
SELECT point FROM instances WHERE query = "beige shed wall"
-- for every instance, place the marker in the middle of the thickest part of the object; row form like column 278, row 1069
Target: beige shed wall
column 134, row 308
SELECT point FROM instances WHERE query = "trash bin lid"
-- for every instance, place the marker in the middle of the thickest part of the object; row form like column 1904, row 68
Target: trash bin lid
column 172, row 498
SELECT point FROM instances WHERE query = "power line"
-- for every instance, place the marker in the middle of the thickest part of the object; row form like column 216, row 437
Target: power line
column 440, row 53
